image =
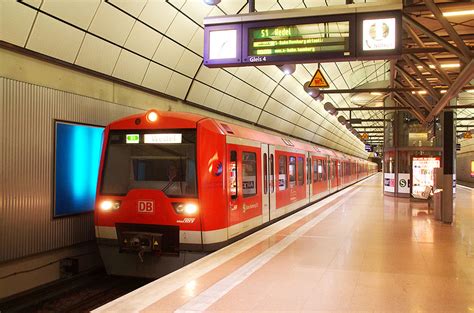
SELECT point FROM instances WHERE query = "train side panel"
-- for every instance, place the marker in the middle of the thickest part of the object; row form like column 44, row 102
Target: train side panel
column 211, row 173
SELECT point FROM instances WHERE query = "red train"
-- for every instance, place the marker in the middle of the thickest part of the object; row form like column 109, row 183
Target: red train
column 173, row 186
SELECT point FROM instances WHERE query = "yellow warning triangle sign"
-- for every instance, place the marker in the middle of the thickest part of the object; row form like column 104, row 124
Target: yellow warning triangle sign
column 318, row 80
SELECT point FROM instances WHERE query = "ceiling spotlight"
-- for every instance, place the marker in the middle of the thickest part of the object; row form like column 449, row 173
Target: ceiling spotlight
column 330, row 108
column 319, row 98
column 212, row 2
column 376, row 93
column 313, row 92
column 287, row 69
column 342, row 120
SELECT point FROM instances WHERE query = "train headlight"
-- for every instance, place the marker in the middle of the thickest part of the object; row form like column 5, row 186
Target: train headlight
column 185, row 208
column 108, row 205
column 152, row 116
column 190, row 208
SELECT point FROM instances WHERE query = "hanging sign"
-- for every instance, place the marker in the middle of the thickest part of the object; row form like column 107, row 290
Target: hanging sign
column 313, row 35
column 319, row 80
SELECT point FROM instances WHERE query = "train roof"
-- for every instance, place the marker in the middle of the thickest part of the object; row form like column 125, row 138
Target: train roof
column 170, row 120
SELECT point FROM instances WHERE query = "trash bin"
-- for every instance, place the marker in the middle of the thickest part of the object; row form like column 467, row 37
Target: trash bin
column 437, row 203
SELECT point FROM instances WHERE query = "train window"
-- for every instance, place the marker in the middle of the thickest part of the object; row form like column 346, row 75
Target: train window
column 265, row 174
column 315, row 171
column 325, row 172
column 300, row 166
column 249, row 174
column 308, row 171
column 292, row 171
column 170, row 168
column 329, row 170
column 272, row 174
column 233, row 175
column 320, row 170
column 282, row 183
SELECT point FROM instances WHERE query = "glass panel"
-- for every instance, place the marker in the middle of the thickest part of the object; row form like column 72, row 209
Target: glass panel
column 169, row 167
column 249, row 174
column 272, row 174
column 300, row 171
column 233, row 175
column 282, row 183
column 315, row 171
column 265, row 174
column 292, row 171
column 308, row 171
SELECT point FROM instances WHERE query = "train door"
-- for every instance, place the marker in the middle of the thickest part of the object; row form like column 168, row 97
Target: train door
column 329, row 176
column 271, row 182
column 334, row 172
column 266, row 183
column 339, row 174
column 308, row 176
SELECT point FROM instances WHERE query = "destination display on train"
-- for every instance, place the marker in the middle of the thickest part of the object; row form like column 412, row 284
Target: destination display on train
column 310, row 39
column 299, row 39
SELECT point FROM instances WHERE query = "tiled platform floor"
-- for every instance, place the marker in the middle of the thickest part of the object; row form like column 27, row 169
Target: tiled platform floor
column 356, row 251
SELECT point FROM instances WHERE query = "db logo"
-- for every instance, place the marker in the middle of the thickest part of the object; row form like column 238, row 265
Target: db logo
column 146, row 206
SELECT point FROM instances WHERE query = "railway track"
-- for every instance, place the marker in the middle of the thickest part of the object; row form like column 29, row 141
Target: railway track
column 81, row 294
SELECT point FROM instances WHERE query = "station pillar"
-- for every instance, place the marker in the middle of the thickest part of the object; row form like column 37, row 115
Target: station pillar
column 449, row 164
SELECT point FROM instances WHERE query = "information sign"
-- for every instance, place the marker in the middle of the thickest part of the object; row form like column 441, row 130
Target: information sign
column 245, row 40
column 163, row 138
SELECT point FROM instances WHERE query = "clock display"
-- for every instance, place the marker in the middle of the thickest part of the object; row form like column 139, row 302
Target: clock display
column 223, row 44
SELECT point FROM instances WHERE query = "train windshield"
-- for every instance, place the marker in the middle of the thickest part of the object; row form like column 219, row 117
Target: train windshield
column 157, row 159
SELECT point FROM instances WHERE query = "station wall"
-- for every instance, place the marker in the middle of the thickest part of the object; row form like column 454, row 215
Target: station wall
column 27, row 123
column 463, row 161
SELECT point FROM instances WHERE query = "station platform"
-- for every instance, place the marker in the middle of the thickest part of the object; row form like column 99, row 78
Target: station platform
column 355, row 251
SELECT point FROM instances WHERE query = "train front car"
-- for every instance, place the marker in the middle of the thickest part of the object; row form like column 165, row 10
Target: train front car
column 148, row 219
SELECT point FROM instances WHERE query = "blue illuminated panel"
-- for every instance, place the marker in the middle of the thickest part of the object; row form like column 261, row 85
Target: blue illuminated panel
column 78, row 149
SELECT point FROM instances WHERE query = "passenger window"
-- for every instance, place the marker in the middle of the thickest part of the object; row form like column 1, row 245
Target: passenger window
column 300, row 171
column 292, row 171
column 308, row 171
column 233, row 175
column 315, row 171
column 249, row 174
column 272, row 174
column 320, row 170
column 325, row 170
column 265, row 174
column 282, row 183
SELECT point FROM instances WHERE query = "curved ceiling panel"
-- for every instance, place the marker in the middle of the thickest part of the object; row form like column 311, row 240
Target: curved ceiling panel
column 158, row 44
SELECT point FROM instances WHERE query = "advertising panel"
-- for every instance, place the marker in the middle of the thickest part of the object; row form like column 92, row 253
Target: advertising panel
column 422, row 169
column 77, row 157
column 389, row 182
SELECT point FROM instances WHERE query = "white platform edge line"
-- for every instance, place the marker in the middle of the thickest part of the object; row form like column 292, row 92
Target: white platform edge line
column 148, row 294
column 464, row 187
column 211, row 295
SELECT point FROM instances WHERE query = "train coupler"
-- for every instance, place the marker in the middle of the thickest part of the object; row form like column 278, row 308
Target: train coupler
column 140, row 242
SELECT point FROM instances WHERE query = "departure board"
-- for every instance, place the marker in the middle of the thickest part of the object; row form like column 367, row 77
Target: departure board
column 299, row 39
column 246, row 41
column 316, row 38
